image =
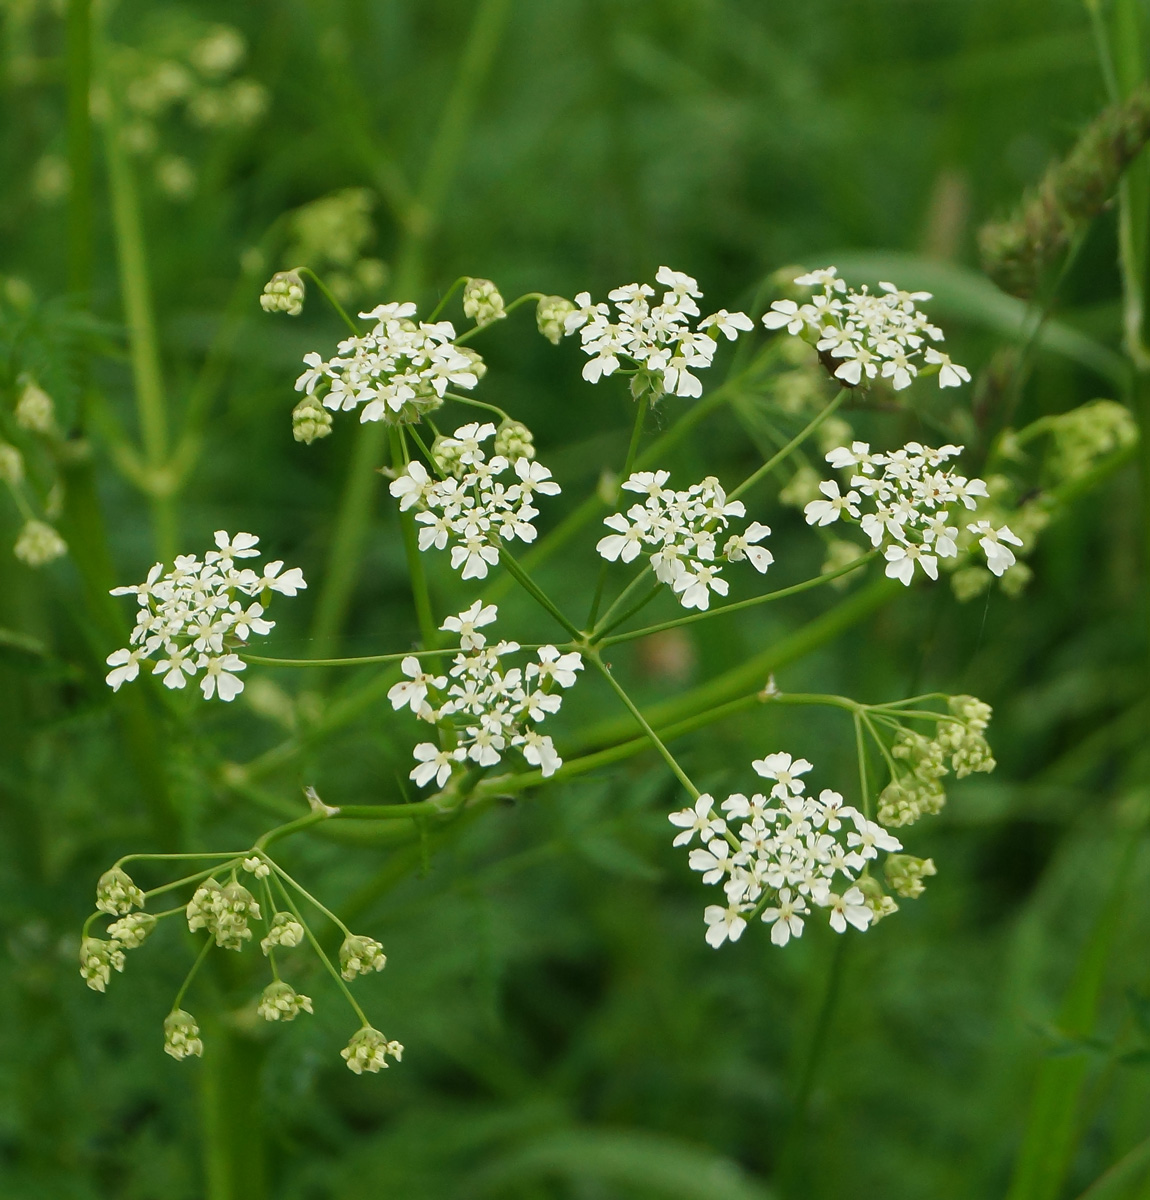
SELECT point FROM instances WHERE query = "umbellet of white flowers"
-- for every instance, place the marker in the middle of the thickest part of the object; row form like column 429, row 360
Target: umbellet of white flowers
column 480, row 504
column 491, row 708
column 912, row 507
column 872, row 334
column 398, row 371
column 197, row 614
column 780, row 856
column 682, row 529
column 656, row 343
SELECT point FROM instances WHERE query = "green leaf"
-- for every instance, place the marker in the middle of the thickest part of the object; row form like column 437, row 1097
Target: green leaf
column 1122, row 1180
column 1139, row 1009
column 641, row 1163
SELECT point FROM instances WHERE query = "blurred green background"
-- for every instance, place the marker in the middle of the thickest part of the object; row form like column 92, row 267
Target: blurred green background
column 568, row 1032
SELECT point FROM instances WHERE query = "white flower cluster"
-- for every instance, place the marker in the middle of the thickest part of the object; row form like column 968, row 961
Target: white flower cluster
column 682, row 528
column 490, row 708
column 872, row 334
column 777, row 856
column 913, row 502
column 656, row 342
column 473, row 508
column 398, row 371
column 194, row 614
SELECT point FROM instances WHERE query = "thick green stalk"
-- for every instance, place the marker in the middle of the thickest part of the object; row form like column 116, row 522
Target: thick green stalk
column 143, row 343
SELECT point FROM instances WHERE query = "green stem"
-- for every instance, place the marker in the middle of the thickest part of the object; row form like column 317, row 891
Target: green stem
column 766, row 598
column 282, row 831
column 284, row 879
column 860, row 750
column 605, row 626
column 326, row 292
column 628, row 465
column 652, row 736
column 536, row 592
column 258, row 660
column 447, row 296
column 191, row 974
column 471, row 402
column 143, row 343
column 793, row 444
column 607, row 622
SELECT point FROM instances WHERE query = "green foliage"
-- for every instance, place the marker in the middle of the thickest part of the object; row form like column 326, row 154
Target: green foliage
column 568, row 1033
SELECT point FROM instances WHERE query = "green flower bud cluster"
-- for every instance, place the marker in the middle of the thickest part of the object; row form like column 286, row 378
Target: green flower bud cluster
column 1087, row 433
column 39, row 544
column 905, row 874
column 514, row 440
column 132, row 931
column 11, row 465
column 369, row 1050
column 116, row 894
column 98, row 959
column 310, row 420
column 880, row 904
column 1017, row 251
column 445, row 454
column 285, row 293
column 224, row 912
column 968, row 749
column 482, row 302
column 182, row 1035
column 281, row 1002
column 284, row 931
column 551, row 315
column 35, row 411
column 360, row 956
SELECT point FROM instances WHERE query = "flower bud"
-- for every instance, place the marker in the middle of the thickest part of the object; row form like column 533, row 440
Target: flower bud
column 11, row 465
column 445, row 454
column 369, row 1050
column 39, row 544
column 906, row 873
column 880, row 904
column 360, row 956
column 309, row 421
column 132, row 931
column 98, row 959
column 284, row 930
column 116, row 894
column 514, row 440
column 182, row 1035
column 285, row 293
column 482, row 302
column 203, row 907
column 551, row 316
column 35, row 410
column 237, row 907
column 281, row 1002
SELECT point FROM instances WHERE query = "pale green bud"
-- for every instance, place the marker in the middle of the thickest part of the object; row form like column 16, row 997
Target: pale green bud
column 281, row 1002
column 11, row 465
column 132, row 931
column 182, row 1035
column 116, row 894
column 35, row 410
column 514, row 440
column 482, row 302
column 369, row 1050
column 445, row 454
column 551, row 316
column 970, row 582
column 880, row 904
column 309, row 421
column 285, row 293
column 284, row 931
column 360, row 956
column 905, row 874
column 98, row 959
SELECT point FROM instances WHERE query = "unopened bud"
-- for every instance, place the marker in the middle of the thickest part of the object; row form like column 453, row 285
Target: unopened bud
column 285, row 293
column 309, row 421
column 35, row 410
column 482, row 302
column 551, row 316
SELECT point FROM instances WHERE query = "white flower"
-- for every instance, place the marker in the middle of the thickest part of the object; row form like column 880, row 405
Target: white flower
column 701, row 820
column 786, row 919
column 723, row 924
column 560, row 667
column 874, row 334
column 730, row 325
column 539, row 751
column 434, row 763
column 823, row 512
column 849, row 908
column 467, row 623
column 785, row 770
column 714, row 862
column 900, row 562
column 993, row 541
column 195, row 616
column 412, row 692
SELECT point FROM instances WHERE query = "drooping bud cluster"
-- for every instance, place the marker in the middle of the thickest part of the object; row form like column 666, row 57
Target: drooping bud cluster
column 284, row 292
column 116, row 894
column 492, row 708
column 905, row 874
column 360, row 956
column 182, row 1035
column 131, row 931
column 473, row 509
column 224, row 912
column 309, row 421
column 917, row 790
column 912, row 502
column 284, row 930
column 369, row 1050
column 656, row 344
column 682, row 528
column 98, row 959
column 399, row 371
column 862, row 336
column 482, row 302
column 194, row 614
column 551, row 315
column 777, row 856
column 281, row 1002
